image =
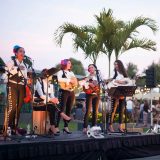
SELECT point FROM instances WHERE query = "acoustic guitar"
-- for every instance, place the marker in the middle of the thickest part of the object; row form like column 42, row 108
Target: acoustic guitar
column 127, row 82
column 92, row 89
column 69, row 86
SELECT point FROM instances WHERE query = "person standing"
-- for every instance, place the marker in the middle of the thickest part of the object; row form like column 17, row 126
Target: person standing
column 67, row 82
column 136, row 111
column 119, row 79
column 16, row 85
column 92, row 90
column 145, row 113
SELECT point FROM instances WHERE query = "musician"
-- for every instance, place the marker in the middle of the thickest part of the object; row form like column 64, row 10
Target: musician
column 18, row 75
column 118, row 78
column 40, row 94
column 92, row 96
column 67, row 81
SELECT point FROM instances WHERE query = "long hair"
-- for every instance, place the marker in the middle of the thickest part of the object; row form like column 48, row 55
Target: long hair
column 121, row 69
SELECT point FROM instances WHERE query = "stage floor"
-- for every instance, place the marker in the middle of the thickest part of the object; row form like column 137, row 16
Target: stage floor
column 78, row 146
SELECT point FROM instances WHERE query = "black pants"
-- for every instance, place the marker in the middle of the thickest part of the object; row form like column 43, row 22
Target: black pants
column 16, row 94
column 51, row 109
column 120, row 103
column 92, row 101
column 66, row 100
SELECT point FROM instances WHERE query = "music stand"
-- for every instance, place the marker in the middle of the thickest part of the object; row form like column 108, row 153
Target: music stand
column 125, row 91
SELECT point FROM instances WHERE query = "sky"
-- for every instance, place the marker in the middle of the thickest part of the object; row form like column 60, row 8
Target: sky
column 32, row 24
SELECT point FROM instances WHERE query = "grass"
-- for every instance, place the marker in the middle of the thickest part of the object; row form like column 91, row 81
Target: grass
column 72, row 125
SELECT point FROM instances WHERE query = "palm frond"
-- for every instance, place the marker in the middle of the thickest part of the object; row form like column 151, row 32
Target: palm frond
column 68, row 28
column 141, row 43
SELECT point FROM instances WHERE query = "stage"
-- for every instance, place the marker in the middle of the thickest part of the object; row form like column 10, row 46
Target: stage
column 78, row 146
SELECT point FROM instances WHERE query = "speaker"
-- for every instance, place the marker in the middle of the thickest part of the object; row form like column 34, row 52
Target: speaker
column 151, row 78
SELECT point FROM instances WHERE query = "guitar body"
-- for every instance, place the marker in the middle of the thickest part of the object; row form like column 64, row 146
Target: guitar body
column 69, row 86
column 128, row 81
column 92, row 90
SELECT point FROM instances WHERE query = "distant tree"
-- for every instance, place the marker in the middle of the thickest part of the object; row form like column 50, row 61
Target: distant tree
column 157, row 68
column 131, row 70
column 77, row 67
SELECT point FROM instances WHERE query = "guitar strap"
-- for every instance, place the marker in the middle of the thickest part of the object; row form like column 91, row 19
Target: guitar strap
column 98, row 79
column 15, row 63
column 64, row 75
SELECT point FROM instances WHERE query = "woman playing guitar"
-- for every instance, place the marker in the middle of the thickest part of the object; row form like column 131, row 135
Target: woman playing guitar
column 119, row 78
column 92, row 91
column 67, row 82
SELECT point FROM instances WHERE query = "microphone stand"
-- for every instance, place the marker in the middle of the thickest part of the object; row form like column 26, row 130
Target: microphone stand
column 101, row 84
column 46, row 105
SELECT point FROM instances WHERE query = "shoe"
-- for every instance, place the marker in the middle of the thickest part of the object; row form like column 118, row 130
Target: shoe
column 55, row 134
column 68, row 120
column 68, row 132
column 57, row 130
column 110, row 129
column 121, row 130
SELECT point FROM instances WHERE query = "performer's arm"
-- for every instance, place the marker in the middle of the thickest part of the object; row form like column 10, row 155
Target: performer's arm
column 52, row 91
column 121, row 81
column 40, row 92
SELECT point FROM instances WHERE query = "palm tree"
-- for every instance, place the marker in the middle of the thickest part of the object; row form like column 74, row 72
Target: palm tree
column 106, row 30
column 125, row 38
column 84, row 38
column 118, row 37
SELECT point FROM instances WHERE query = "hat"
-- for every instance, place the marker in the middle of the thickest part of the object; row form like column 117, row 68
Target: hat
column 16, row 48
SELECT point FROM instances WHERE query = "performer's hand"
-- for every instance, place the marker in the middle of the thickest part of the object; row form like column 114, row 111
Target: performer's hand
column 21, row 67
column 116, row 81
column 29, row 81
column 54, row 100
column 91, row 85
column 72, row 81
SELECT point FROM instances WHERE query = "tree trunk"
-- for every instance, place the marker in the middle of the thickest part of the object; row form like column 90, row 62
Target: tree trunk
column 109, row 66
column 94, row 61
column 116, row 55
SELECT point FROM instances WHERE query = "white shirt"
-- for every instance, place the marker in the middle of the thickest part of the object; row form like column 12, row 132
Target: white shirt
column 86, row 81
column 38, row 88
column 13, row 70
column 119, row 76
column 68, row 74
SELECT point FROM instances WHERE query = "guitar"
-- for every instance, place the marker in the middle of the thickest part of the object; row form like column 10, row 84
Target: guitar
column 69, row 86
column 127, row 82
column 92, row 87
